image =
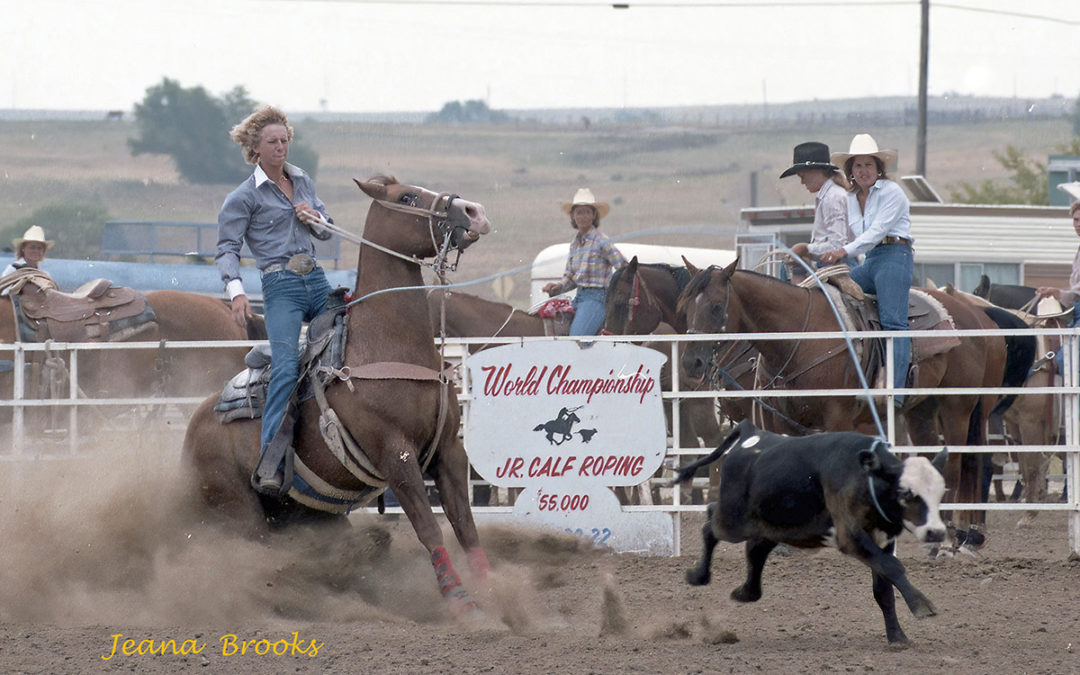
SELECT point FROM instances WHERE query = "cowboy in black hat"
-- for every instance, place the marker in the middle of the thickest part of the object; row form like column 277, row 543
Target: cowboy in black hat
column 826, row 182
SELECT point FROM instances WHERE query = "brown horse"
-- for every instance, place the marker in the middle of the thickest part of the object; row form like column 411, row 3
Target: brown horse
column 730, row 300
column 1034, row 419
column 183, row 316
column 641, row 296
column 469, row 316
column 113, row 373
column 642, row 299
column 405, row 413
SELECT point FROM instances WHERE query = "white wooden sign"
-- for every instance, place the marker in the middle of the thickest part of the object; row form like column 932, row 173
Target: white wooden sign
column 566, row 423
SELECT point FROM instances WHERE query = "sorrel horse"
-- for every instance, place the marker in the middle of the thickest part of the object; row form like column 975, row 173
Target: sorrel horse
column 183, row 316
column 469, row 316
column 737, row 301
column 90, row 316
column 179, row 316
column 406, row 411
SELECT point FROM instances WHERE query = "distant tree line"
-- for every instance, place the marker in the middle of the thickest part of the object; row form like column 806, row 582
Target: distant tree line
column 469, row 112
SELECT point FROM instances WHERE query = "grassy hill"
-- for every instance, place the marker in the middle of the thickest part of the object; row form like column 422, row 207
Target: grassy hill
column 655, row 177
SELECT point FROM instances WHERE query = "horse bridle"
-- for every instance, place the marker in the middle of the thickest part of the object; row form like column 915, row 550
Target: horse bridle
column 715, row 368
column 437, row 220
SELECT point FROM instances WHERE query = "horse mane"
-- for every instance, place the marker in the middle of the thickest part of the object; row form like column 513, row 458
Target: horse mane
column 693, row 287
column 680, row 274
column 616, row 275
column 702, row 278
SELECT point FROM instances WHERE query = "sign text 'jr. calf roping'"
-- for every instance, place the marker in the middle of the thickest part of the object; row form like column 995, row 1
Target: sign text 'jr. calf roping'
column 566, row 423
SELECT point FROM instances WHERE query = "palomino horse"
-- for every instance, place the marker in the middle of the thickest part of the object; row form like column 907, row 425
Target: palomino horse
column 183, row 316
column 736, row 301
column 404, row 414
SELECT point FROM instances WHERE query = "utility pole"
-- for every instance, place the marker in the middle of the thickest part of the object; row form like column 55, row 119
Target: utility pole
column 924, row 58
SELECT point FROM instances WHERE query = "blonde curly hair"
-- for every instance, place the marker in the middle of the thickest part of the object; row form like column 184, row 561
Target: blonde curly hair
column 247, row 133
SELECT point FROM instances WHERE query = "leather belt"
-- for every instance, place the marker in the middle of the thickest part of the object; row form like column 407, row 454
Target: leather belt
column 301, row 264
column 894, row 240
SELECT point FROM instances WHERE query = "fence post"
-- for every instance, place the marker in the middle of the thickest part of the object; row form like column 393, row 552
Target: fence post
column 18, row 394
column 1071, row 409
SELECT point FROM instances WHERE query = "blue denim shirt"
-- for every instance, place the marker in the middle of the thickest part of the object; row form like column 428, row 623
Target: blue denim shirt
column 259, row 212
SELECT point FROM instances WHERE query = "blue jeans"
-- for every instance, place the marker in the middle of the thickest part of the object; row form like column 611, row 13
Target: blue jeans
column 588, row 311
column 289, row 299
column 886, row 272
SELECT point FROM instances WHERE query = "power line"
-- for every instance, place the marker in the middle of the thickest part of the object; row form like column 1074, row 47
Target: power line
column 713, row 4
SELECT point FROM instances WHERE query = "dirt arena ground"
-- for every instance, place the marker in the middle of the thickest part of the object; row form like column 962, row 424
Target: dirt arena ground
column 96, row 550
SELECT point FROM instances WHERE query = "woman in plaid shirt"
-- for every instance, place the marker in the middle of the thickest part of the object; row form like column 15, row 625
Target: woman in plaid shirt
column 589, row 264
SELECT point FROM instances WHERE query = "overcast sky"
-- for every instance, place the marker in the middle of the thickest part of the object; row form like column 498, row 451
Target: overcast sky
column 360, row 56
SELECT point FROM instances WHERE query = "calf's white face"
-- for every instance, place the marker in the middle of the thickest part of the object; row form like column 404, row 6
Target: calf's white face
column 922, row 489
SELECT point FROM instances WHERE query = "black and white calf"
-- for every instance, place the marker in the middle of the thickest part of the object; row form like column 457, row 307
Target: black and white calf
column 841, row 489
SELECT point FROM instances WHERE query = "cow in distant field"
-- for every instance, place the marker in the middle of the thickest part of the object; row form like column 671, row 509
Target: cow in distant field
column 841, row 489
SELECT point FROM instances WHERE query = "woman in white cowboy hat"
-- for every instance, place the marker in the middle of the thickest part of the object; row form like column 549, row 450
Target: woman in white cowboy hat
column 824, row 180
column 589, row 264
column 879, row 217
column 29, row 249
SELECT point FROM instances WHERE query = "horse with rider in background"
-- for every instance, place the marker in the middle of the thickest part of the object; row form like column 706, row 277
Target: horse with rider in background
column 730, row 300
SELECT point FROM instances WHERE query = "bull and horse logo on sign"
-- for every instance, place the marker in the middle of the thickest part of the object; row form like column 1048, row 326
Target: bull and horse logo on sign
column 561, row 429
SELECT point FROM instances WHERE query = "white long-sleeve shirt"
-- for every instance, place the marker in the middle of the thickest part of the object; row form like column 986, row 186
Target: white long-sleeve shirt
column 831, row 229
column 888, row 214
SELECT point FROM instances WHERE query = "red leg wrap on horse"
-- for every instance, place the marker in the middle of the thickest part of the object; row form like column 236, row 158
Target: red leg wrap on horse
column 444, row 571
column 478, row 562
column 449, row 583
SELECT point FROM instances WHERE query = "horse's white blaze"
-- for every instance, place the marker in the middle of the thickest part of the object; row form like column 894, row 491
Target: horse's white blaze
column 923, row 479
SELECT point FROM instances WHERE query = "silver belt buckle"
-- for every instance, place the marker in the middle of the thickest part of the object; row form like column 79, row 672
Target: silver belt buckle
column 301, row 263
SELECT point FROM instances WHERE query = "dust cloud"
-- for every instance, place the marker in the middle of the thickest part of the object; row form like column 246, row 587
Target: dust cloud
column 114, row 536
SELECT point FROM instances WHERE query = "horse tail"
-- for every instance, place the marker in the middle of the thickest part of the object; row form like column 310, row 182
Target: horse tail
column 538, row 427
column 975, row 433
column 1019, row 355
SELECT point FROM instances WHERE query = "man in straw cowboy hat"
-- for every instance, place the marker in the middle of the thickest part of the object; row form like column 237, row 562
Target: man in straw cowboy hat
column 879, row 217
column 29, row 249
column 589, row 263
column 824, row 180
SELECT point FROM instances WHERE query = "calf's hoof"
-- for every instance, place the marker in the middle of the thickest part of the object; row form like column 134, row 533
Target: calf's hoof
column 897, row 638
column 743, row 594
column 697, row 577
column 922, row 608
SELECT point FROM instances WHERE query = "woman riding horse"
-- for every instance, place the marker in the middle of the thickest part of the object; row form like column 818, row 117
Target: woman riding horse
column 401, row 421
